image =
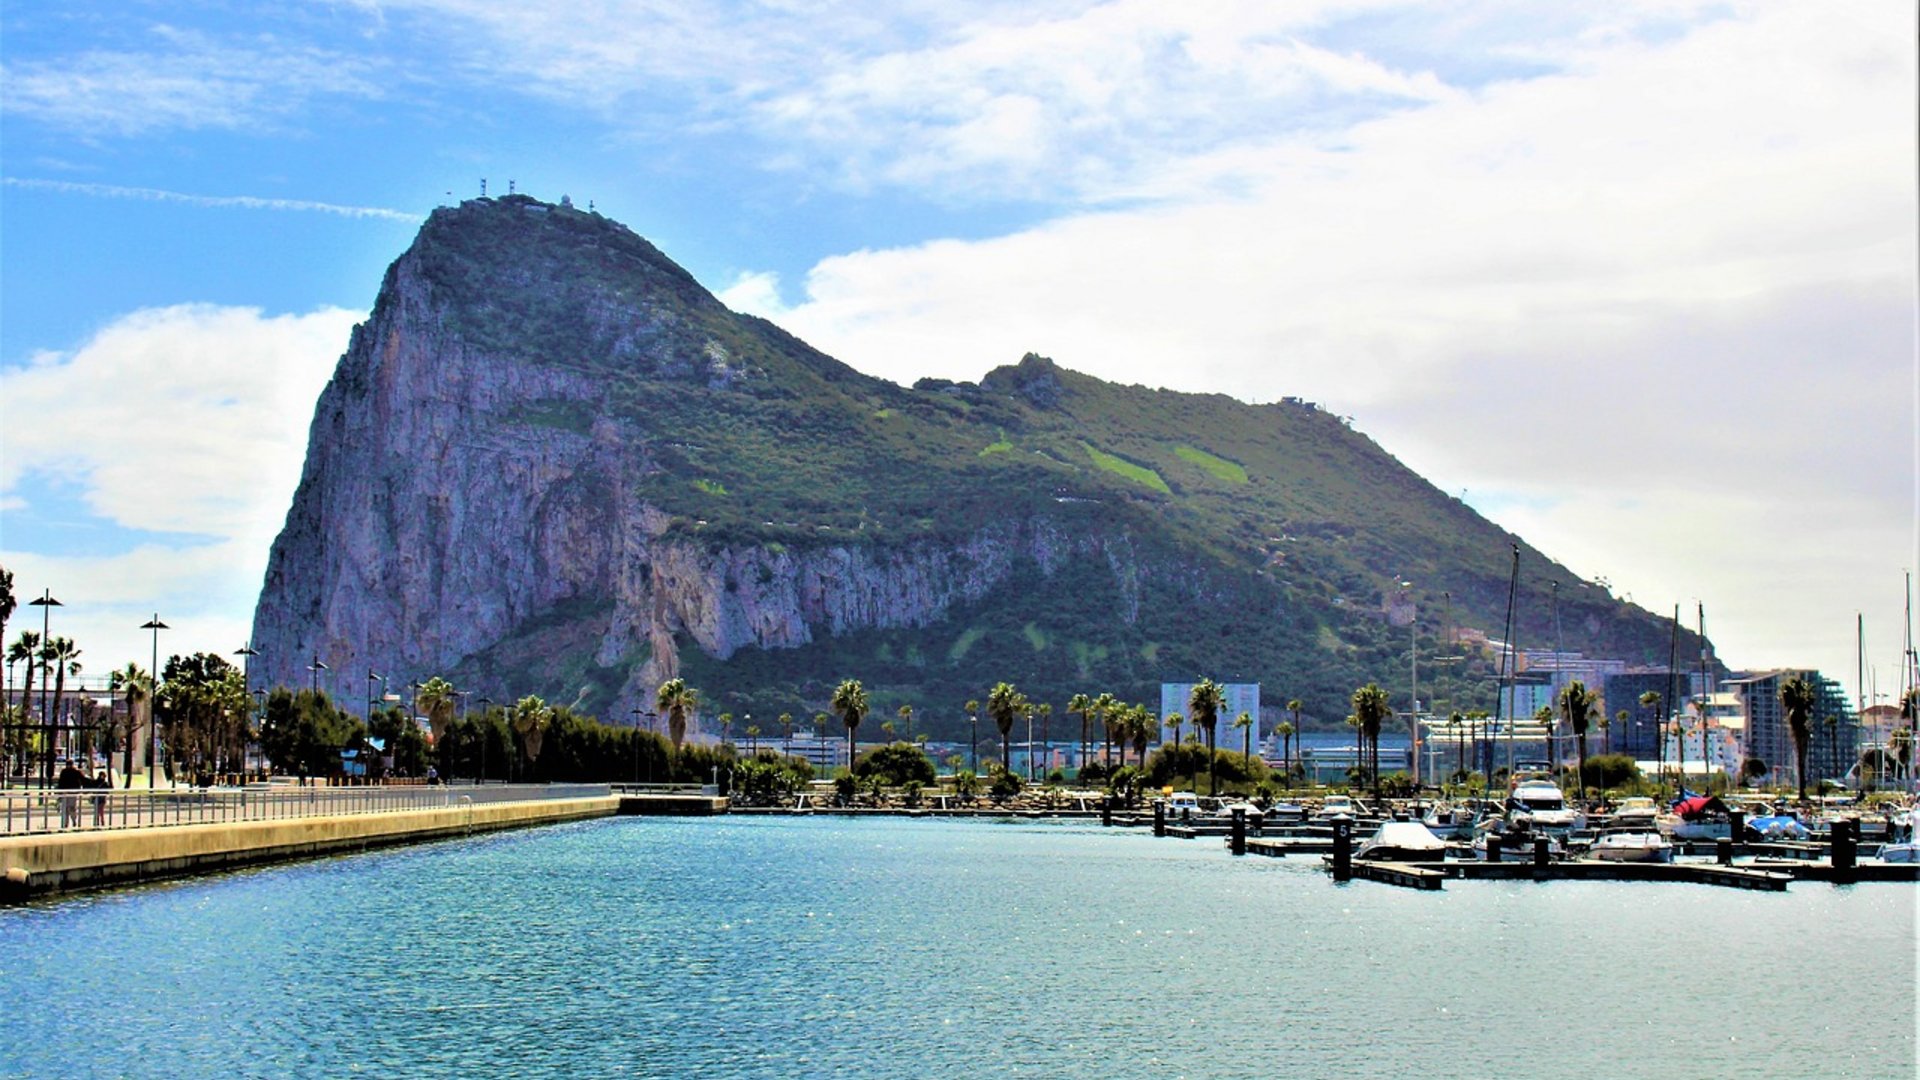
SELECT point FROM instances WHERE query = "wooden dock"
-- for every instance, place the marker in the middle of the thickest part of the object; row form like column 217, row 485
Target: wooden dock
column 1431, row 875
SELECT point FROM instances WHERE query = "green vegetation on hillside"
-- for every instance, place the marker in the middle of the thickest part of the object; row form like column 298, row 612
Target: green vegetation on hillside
column 1218, row 468
column 1139, row 474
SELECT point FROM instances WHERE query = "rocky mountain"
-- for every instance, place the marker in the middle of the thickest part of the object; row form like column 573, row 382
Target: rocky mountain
column 551, row 462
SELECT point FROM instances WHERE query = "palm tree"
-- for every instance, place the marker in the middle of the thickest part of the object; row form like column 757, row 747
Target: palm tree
column 1370, row 709
column 850, row 701
column 1286, row 730
column 1204, row 703
column 62, row 658
column 786, row 732
column 137, row 687
column 530, row 719
column 905, row 712
column 679, row 701
column 1143, row 731
column 1005, row 705
column 1245, row 723
column 25, row 648
column 1796, row 700
column 725, row 721
column 1577, row 705
column 1080, row 703
column 753, row 739
column 1650, row 701
column 436, row 700
column 1606, row 729
column 1112, row 715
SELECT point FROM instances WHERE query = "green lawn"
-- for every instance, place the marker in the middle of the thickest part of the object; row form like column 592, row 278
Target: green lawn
column 1139, row 474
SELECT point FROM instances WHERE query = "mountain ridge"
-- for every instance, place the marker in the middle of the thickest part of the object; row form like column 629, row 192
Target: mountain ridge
column 550, row 461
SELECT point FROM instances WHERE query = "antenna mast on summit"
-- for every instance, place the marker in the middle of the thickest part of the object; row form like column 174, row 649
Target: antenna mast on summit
column 483, row 187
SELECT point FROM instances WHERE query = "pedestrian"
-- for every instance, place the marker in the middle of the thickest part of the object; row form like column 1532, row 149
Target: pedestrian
column 101, row 785
column 71, row 781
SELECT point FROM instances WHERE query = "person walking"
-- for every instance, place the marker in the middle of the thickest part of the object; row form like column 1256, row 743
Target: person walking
column 70, row 782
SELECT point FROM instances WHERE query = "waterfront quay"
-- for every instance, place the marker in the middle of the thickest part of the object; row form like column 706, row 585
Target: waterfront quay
column 137, row 837
column 1727, row 863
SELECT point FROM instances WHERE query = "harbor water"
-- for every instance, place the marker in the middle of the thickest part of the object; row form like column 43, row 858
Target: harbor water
column 892, row 947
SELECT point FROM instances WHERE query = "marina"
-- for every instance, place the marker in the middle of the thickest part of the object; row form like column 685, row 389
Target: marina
column 778, row 946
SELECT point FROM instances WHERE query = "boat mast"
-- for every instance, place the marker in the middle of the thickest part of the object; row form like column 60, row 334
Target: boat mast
column 1508, row 672
column 1673, row 672
column 1860, row 681
column 1706, row 696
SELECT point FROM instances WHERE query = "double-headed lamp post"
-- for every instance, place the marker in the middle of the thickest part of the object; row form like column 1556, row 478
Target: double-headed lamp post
column 246, row 652
column 153, row 698
column 46, row 603
column 317, row 667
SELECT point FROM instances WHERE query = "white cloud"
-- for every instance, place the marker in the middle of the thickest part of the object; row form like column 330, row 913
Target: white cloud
column 204, row 594
column 755, row 294
column 187, row 420
column 181, row 80
column 243, row 202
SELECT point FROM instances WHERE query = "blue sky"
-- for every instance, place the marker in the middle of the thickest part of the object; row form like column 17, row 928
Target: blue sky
column 1638, row 277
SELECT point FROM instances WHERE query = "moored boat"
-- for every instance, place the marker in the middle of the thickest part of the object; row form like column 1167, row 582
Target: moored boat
column 1700, row 817
column 1639, row 847
column 1403, row 841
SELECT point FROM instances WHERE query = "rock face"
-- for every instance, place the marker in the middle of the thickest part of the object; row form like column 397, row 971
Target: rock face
column 551, row 462
column 437, row 515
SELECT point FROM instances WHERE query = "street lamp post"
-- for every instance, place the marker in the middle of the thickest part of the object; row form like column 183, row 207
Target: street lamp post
column 486, row 707
column 246, row 652
column 153, row 698
column 46, row 603
column 651, row 717
column 259, row 718
column 316, row 668
column 636, row 711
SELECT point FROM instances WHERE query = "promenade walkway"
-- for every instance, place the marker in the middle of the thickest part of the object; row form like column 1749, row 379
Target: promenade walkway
column 40, row 811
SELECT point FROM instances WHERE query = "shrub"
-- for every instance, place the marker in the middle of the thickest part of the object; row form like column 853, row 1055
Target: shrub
column 896, row 764
column 1006, row 783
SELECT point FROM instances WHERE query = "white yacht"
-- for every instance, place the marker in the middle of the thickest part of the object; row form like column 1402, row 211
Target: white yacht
column 1633, row 847
column 1540, row 805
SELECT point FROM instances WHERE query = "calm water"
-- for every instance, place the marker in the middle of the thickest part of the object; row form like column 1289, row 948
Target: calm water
column 913, row 948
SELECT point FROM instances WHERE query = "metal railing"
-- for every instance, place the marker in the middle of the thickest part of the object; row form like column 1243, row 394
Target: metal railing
column 88, row 809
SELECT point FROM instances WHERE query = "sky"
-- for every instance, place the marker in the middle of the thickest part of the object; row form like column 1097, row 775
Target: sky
column 1636, row 280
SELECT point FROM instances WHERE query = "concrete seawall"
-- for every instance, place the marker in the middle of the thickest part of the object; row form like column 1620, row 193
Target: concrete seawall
column 69, row 862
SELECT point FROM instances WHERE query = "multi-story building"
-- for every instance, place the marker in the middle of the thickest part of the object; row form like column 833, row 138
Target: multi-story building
column 1640, row 734
column 1834, row 738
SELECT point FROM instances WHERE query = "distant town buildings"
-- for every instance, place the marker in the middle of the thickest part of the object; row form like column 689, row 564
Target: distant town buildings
column 1833, row 745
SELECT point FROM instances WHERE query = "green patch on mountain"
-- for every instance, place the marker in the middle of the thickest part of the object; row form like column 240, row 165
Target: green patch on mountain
column 1217, row 467
column 1120, row 466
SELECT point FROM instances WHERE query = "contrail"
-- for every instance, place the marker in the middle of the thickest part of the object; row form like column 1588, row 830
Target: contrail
column 247, row 202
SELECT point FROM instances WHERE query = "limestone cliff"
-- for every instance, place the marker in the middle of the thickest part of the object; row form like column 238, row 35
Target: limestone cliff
column 550, row 462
